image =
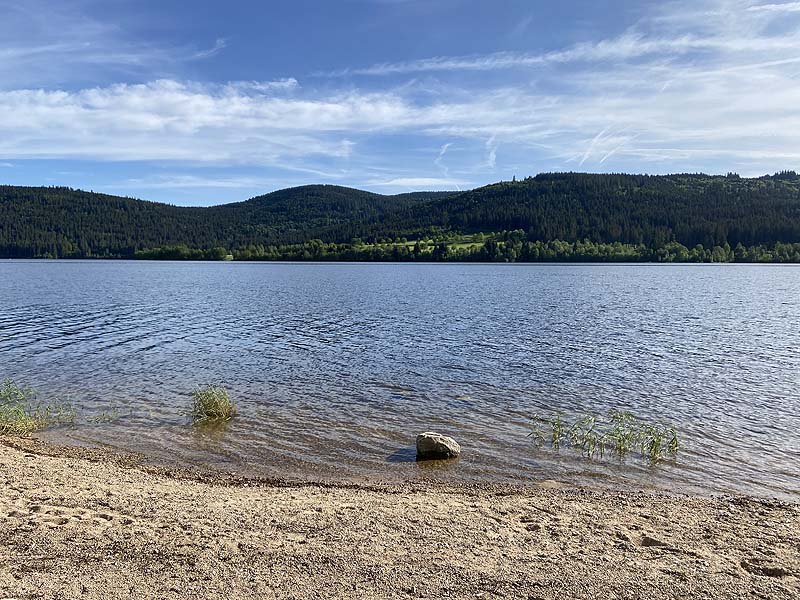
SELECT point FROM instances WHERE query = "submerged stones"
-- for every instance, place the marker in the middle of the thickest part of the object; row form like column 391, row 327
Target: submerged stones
column 432, row 445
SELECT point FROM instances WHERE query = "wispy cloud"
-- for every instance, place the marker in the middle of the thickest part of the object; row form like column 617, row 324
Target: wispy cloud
column 420, row 183
column 491, row 152
column 630, row 46
column 218, row 47
column 693, row 86
column 288, row 84
column 439, row 161
column 170, row 120
column 627, row 46
column 783, row 7
column 521, row 26
column 44, row 43
column 181, row 181
column 706, row 30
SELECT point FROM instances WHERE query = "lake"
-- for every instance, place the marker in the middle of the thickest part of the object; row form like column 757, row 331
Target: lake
column 336, row 367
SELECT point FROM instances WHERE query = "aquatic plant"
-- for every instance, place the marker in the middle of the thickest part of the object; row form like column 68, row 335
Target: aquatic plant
column 11, row 393
column 20, row 414
column 212, row 403
column 110, row 415
column 620, row 433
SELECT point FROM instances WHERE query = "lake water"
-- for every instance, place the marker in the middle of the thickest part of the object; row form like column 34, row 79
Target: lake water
column 336, row 367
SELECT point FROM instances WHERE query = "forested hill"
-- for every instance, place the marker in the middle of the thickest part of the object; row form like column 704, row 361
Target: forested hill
column 646, row 213
column 62, row 222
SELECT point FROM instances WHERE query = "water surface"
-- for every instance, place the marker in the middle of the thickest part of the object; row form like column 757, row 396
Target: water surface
column 335, row 367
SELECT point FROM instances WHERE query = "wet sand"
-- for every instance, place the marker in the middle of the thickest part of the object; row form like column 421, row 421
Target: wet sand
column 85, row 523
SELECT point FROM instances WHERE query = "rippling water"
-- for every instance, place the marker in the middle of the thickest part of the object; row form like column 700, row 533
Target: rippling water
column 335, row 367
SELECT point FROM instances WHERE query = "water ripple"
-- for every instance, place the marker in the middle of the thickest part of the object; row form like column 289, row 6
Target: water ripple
column 336, row 367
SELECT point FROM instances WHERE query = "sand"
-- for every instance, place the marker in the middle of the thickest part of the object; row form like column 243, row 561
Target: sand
column 78, row 523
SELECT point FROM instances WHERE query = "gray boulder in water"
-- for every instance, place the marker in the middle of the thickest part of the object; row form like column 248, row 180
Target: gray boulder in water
column 431, row 445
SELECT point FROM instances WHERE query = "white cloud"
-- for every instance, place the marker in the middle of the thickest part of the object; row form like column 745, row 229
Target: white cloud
column 193, row 181
column 629, row 46
column 691, row 86
column 440, row 158
column 694, row 31
column 419, row 183
column 722, row 111
column 782, row 7
column 288, row 84
column 44, row 43
column 219, row 46
column 170, row 120
column 491, row 152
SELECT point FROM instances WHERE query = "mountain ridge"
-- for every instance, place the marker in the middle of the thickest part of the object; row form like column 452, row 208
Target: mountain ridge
column 649, row 210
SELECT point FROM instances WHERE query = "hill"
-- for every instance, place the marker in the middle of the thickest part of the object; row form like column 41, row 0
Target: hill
column 650, row 217
column 62, row 222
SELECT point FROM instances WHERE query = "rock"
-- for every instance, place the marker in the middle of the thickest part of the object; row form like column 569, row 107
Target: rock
column 651, row 542
column 431, row 445
column 756, row 568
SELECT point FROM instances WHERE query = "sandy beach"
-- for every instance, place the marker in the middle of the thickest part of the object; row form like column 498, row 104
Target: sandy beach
column 84, row 523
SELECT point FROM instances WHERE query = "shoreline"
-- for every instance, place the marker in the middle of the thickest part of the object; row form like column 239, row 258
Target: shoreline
column 294, row 261
column 81, row 522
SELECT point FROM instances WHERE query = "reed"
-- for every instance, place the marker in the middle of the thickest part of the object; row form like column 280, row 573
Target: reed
column 211, row 404
column 620, row 434
column 21, row 414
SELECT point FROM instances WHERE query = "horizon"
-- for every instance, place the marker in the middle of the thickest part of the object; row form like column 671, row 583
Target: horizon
column 129, row 99
column 416, row 191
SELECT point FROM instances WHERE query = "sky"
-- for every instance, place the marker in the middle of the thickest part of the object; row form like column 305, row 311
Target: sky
column 208, row 102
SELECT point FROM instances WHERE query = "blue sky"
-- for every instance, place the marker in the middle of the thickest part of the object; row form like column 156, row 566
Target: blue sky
column 223, row 101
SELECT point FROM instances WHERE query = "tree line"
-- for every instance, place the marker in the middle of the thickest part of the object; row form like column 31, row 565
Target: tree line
column 684, row 217
column 509, row 247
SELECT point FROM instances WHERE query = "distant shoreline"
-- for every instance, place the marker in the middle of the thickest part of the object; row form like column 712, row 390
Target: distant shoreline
column 78, row 523
column 389, row 262
column 407, row 262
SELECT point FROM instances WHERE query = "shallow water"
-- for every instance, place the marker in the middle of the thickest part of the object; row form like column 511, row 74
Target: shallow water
column 335, row 367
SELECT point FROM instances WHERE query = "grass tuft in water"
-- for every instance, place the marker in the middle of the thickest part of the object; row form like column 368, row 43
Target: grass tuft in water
column 212, row 404
column 620, row 434
column 110, row 415
column 20, row 414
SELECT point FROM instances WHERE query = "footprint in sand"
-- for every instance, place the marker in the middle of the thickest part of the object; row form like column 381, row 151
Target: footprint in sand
column 60, row 516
